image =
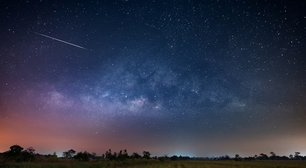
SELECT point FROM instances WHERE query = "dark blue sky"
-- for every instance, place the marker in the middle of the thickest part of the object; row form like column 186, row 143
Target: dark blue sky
column 197, row 78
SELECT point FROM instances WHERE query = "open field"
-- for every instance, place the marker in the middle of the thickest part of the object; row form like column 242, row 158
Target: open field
column 158, row 164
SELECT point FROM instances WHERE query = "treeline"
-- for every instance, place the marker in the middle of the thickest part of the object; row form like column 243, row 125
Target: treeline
column 261, row 156
column 109, row 155
column 19, row 154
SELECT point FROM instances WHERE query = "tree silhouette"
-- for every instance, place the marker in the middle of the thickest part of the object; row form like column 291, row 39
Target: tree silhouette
column 273, row 155
column 122, row 155
column 69, row 154
column 135, row 155
column 82, row 156
column 263, row 156
column 146, row 154
column 114, row 156
column 31, row 150
column 108, row 154
column 28, row 154
column 54, row 154
column 237, row 158
column 125, row 153
column 93, row 154
column 15, row 153
column 16, row 149
column 297, row 155
column 174, row 157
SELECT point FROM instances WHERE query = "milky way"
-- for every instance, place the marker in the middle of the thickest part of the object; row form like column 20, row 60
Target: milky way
column 171, row 77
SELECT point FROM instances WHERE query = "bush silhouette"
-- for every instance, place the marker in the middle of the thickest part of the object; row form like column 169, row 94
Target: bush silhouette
column 82, row 156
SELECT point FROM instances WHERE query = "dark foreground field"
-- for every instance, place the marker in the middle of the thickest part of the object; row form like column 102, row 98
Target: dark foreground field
column 158, row 164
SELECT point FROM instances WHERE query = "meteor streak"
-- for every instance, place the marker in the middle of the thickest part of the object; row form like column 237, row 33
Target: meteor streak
column 60, row 40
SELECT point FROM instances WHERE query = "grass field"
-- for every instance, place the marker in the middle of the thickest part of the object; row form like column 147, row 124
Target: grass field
column 158, row 164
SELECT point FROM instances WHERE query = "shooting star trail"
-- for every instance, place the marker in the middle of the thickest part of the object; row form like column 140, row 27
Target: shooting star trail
column 60, row 40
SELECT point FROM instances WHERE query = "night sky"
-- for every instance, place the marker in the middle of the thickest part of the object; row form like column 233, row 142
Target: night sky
column 196, row 78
